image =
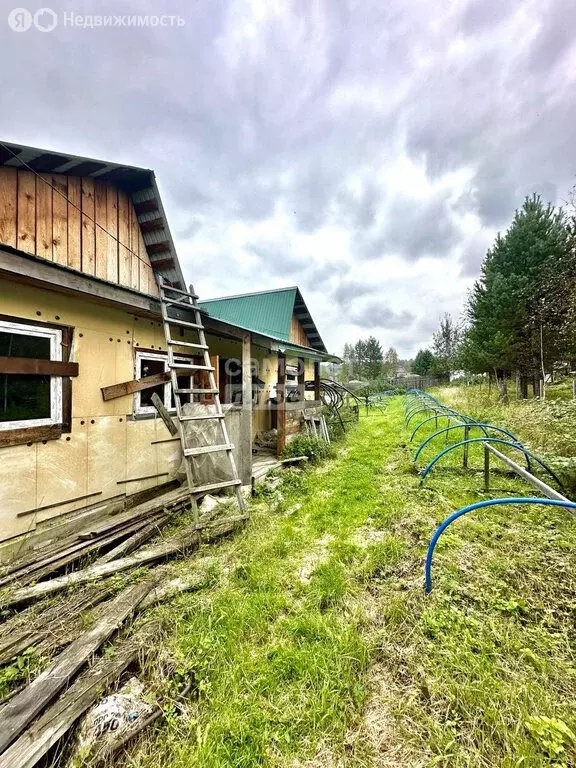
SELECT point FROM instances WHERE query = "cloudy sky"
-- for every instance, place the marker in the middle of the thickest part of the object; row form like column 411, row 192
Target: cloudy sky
column 366, row 150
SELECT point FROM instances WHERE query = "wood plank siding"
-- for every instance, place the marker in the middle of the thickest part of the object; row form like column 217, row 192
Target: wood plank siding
column 74, row 221
column 297, row 333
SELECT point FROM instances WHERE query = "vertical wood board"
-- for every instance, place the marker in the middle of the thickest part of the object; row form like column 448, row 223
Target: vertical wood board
column 60, row 219
column 88, row 228
column 26, row 212
column 8, row 205
column 74, row 223
column 112, row 227
column 101, row 216
column 44, row 216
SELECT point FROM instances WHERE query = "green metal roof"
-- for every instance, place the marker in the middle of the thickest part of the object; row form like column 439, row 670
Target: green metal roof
column 266, row 312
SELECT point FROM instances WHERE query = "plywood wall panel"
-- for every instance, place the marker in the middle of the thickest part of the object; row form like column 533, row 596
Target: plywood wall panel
column 106, row 456
column 101, row 216
column 112, row 226
column 88, row 227
column 96, row 358
column 17, row 489
column 26, row 239
column 63, row 472
column 8, row 205
column 44, row 216
column 141, row 456
column 168, row 454
column 74, row 223
column 60, row 219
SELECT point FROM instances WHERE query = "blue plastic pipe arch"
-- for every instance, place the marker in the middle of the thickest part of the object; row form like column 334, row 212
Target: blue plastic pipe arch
column 518, row 446
column 463, row 426
column 478, row 505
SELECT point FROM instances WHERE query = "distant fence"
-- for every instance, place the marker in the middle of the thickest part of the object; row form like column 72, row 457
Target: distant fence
column 420, row 382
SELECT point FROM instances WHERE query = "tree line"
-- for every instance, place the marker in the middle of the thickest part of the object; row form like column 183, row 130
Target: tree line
column 519, row 320
column 366, row 361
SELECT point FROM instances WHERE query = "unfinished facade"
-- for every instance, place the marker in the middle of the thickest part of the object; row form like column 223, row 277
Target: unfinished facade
column 81, row 245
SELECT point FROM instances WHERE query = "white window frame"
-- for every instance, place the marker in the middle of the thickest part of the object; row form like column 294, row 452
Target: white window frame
column 55, row 336
column 139, row 409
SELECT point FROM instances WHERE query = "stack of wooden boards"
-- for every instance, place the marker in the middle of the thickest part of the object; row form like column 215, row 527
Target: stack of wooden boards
column 316, row 426
column 72, row 629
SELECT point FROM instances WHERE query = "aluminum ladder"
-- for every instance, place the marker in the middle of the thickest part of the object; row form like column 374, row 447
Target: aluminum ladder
column 171, row 300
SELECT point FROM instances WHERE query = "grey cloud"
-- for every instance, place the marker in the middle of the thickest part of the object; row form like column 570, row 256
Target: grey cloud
column 243, row 114
column 349, row 290
column 375, row 314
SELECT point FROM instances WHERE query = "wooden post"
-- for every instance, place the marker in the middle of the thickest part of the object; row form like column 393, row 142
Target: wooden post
column 301, row 379
column 245, row 441
column 317, row 380
column 573, row 389
column 486, row 469
column 466, row 446
column 281, row 402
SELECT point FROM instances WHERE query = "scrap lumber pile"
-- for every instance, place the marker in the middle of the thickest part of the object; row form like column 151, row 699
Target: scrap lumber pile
column 60, row 608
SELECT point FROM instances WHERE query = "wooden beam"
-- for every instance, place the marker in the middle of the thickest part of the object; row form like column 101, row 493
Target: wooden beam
column 301, row 379
column 29, row 435
column 29, row 269
column 31, row 365
column 149, row 226
column 316, row 380
column 281, row 403
column 55, row 721
column 23, row 708
column 175, row 546
column 245, row 438
column 135, row 385
column 164, row 415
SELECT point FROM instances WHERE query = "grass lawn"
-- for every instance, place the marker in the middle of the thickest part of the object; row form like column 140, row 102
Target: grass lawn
column 316, row 645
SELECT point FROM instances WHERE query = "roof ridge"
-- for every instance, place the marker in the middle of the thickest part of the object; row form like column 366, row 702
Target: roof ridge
column 251, row 293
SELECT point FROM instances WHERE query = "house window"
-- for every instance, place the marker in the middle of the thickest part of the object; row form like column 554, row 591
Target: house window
column 30, row 399
column 149, row 364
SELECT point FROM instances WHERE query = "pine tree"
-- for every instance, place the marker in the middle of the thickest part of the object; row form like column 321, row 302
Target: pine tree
column 423, row 362
column 512, row 304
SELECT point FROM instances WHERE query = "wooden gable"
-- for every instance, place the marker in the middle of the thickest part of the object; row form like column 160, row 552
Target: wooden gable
column 80, row 222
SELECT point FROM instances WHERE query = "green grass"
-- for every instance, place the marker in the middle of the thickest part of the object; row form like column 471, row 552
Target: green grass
column 317, row 646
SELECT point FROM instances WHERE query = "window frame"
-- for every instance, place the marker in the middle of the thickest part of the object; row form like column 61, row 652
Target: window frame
column 25, row 328
column 141, row 354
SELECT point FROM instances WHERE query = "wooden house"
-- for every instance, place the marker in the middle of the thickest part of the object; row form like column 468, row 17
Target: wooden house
column 82, row 243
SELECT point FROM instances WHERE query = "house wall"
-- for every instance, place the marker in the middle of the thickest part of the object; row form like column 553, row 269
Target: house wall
column 297, row 333
column 37, row 219
column 107, row 449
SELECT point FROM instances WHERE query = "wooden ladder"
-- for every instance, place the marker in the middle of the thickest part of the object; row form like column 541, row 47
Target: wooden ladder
column 172, row 299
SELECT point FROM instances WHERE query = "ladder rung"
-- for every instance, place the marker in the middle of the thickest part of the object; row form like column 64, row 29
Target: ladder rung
column 190, row 367
column 177, row 303
column 178, row 290
column 196, row 391
column 215, row 486
column 184, row 323
column 207, row 449
column 200, row 418
column 186, row 344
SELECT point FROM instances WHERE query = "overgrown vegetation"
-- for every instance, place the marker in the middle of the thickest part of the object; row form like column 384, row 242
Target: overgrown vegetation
column 545, row 426
column 317, row 645
column 314, row 448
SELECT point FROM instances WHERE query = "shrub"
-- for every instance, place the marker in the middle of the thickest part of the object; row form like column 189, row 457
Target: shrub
column 308, row 445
